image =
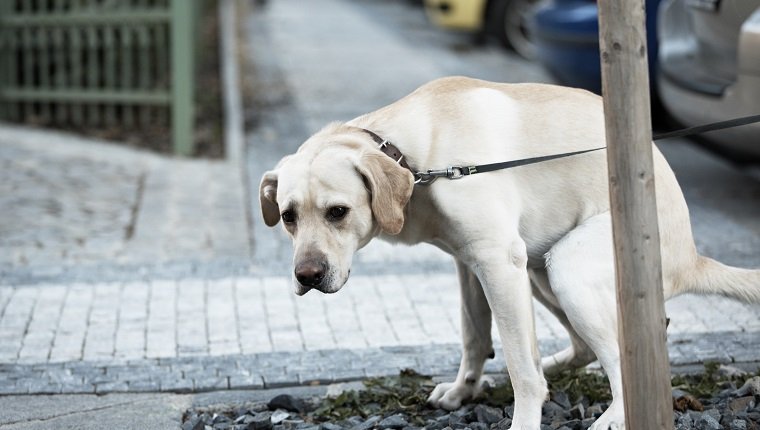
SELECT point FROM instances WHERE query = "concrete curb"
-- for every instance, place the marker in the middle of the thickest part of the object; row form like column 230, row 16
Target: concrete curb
column 291, row 369
column 232, row 100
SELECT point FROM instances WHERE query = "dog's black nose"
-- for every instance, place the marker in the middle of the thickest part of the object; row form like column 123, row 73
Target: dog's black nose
column 310, row 273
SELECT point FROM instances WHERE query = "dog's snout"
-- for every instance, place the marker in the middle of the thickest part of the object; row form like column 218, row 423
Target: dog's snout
column 310, row 273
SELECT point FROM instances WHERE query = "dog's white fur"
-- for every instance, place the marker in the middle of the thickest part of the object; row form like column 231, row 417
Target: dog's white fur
column 543, row 229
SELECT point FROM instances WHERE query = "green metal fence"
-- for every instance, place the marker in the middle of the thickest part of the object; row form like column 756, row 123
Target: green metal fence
column 99, row 63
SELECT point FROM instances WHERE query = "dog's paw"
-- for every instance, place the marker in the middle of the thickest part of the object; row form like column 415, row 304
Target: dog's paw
column 612, row 419
column 450, row 395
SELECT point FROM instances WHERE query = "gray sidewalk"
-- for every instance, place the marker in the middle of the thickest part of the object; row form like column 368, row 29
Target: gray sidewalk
column 76, row 208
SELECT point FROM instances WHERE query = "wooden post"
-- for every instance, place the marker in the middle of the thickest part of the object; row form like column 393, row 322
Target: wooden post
column 641, row 311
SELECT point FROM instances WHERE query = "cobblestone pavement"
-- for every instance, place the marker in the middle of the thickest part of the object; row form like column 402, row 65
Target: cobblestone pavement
column 196, row 335
column 73, row 205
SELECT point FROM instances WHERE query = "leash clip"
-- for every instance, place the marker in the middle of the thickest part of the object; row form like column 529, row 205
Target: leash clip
column 428, row 177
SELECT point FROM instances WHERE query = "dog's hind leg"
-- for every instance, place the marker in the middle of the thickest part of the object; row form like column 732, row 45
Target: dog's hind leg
column 581, row 274
column 578, row 354
column 476, row 343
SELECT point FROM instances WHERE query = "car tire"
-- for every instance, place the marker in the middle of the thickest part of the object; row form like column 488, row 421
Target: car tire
column 509, row 21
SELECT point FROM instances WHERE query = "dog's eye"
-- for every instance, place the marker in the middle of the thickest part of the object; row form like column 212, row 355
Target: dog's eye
column 288, row 217
column 337, row 213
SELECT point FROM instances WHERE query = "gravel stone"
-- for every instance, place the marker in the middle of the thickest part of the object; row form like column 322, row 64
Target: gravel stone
column 330, row 426
column 291, row 424
column 738, row 424
column 684, row 422
column 577, row 412
column 551, row 411
column 478, row 426
column 707, row 422
column 560, row 398
column 279, row 416
column 572, row 424
column 287, row 402
column 457, row 422
column 594, row 411
column 504, row 424
column 435, row 424
column 393, row 422
column 351, row 422
column 243, row 418
column 488, row 415
column 751, row 386
column 466, row 412
column 714, row 413
column 368, row 424
column 194, row 423
column 220, row 419
column 260, row 421
column 742, row 404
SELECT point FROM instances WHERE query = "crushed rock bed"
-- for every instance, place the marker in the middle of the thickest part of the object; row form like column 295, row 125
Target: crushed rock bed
column 721, row 398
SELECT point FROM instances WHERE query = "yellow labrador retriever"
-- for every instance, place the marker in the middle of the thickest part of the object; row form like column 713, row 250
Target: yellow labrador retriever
column 542, row 229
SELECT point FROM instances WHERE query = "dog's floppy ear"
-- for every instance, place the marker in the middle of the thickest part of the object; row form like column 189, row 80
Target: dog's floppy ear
column 268, row 198
column 390, row 187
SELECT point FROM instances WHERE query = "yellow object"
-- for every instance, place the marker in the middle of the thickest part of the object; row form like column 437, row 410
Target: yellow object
column 457, row 14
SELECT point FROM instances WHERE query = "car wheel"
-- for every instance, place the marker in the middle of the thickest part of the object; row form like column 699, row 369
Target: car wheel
column 510, row 22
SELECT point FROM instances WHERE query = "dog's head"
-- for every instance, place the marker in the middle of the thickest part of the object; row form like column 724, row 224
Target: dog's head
column 334, row 195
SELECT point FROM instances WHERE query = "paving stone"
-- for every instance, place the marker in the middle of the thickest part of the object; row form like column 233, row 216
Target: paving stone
column 13, row 388
column 176, row 385
column 279, row 380
column 144, row 386
column 248, row 382
column 211, row 383
column 112, row 387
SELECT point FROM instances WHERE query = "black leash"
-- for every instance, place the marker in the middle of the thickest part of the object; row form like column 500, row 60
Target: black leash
column 708, row 127
column 458, row 172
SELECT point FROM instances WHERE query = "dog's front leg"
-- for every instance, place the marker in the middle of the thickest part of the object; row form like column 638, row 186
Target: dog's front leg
column 476, row 344
column 501, row 267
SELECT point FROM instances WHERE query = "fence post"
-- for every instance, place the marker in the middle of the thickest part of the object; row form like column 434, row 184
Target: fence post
column 182, row 71
column 641, row 311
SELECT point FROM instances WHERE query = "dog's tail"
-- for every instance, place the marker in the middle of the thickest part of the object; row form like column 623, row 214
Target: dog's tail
column 712, row 277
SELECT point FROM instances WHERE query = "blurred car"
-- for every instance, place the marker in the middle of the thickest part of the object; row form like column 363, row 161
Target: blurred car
column 505, row 19
column 566, row 37
column 710, row 69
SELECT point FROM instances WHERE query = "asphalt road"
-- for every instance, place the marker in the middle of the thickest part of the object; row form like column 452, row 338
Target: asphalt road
column 336, row 59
